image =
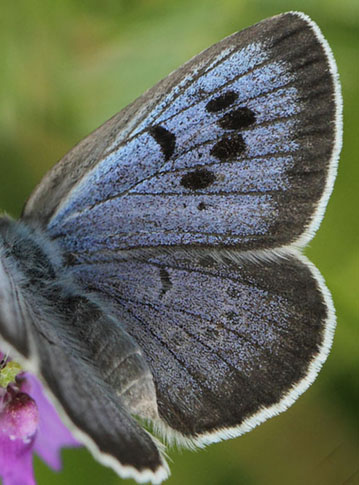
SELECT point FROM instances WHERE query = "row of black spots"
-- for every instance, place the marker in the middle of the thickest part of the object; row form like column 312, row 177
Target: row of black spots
column 227, row 148
column 230, row 147
column 234, row 120
column 165, row 139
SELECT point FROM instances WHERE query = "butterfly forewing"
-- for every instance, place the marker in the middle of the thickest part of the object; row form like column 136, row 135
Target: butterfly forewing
column 235, row 152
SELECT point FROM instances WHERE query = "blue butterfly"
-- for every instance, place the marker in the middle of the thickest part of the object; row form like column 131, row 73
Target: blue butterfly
column 157, row 269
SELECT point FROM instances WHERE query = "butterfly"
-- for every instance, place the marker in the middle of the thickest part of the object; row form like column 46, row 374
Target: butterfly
column 156, row 274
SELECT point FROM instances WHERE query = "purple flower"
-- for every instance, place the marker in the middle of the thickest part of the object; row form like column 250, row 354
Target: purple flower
column 28, row 423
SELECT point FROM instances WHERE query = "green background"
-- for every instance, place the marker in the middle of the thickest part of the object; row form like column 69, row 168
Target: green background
column 66, row 67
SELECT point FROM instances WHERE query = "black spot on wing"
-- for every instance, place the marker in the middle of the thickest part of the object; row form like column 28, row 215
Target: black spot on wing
column 201, row 206
column 199, row 179
column 221, row 102
column 165, row 139
column 229, row 147
column 237, row 119
column 165, row 280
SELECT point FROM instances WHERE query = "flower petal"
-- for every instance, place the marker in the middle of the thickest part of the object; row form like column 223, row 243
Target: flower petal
column 16, row 463
column 18, row 425
column 52, row 434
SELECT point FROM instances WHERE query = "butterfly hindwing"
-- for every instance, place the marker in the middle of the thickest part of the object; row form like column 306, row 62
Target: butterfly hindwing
column 236, row 148
column 224, row 337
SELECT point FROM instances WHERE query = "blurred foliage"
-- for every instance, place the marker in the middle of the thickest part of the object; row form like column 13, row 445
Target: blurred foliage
column 67, row 67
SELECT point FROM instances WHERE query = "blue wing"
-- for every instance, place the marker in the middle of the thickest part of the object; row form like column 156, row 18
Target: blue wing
column 236, row 148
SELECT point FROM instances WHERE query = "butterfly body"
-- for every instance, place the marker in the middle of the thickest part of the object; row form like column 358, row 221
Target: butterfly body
column 76, row 318
column 163, row 272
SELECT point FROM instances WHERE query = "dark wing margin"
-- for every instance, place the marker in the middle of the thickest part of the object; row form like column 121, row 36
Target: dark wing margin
column 336, row 134
column 33, row 331
column 231, row 341
column 237, row 148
